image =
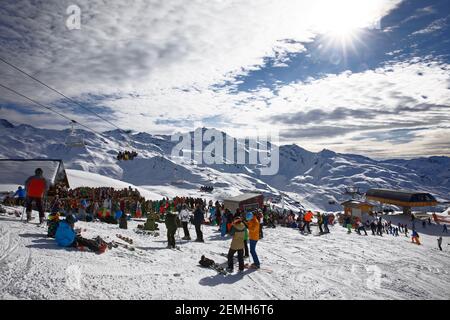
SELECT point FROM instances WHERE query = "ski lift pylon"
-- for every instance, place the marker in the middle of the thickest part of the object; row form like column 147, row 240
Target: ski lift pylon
column 73, row 139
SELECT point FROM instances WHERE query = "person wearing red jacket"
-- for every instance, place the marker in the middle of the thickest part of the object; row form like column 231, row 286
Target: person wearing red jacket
column 36, row 186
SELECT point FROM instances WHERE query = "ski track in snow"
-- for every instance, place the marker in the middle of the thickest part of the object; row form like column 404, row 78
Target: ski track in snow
column 331, row 266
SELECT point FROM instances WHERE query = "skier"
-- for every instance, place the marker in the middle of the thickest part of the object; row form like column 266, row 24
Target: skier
column 424, row 224
column 253, row 228
column 184, row 218
column 237, row 244
column 444, row 229
column 36, row 186
column 406, row 230
column 439, row 241
column 171, row 224
column 199, row 217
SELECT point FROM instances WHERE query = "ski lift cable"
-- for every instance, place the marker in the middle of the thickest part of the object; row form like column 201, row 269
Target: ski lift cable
column 58, row 92
column 48, row 108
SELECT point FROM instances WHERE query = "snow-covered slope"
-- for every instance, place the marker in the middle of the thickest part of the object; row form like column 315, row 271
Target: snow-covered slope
column 308, row 179
column 332, row 266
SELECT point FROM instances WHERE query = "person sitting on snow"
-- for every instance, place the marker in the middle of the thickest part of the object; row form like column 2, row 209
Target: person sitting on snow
column 66, row 236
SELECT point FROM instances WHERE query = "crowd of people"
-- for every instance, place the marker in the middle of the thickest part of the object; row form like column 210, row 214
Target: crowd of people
column 207, row 188
column 126, row 155
column 245, row 227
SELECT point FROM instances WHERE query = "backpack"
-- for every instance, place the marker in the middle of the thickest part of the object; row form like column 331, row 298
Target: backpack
column 205, row 262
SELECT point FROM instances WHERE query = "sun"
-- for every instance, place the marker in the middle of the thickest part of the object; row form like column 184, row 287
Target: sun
column 343, row 20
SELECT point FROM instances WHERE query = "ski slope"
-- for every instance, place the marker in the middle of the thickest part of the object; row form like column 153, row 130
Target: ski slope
column 332, row 266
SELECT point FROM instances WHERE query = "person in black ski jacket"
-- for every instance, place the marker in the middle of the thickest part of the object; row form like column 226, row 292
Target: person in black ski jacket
column 199, row 217
column 171, row 224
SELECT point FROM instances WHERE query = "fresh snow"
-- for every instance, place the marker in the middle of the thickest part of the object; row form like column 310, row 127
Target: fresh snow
column 332, row 266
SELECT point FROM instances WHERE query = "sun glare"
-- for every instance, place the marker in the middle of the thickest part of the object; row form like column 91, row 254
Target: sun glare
column 344, row 19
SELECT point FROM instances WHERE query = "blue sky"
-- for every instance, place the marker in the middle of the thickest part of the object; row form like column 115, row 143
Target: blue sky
column 368, row 77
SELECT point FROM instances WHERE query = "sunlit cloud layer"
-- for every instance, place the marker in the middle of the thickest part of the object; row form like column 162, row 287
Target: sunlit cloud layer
column 163, row 66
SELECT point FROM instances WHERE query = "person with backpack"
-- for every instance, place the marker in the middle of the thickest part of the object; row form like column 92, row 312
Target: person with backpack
column 237, row 244
column 184, row 216
column 36, row 186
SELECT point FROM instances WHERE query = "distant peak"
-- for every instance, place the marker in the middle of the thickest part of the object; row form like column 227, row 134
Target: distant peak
column 6, row 124
column 327, row 153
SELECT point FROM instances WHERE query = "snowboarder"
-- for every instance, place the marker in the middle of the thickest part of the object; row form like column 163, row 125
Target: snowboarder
column 36, row 186
column 171, row 224
column 184, row 218
column 199, row 217
column 237, row 244
column 439, row 241
column 253, row 228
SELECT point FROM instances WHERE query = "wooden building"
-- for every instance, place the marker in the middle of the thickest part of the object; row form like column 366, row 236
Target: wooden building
column 244, row 202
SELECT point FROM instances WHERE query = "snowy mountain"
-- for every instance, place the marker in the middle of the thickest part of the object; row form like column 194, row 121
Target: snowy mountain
column 305, row 179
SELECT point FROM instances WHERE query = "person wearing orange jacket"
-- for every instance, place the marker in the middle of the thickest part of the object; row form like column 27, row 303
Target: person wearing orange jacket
column 307, row 218
column 253, row 234
column 35, row 187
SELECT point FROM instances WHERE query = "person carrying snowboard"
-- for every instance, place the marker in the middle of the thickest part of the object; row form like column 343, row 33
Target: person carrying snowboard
column 237, row 244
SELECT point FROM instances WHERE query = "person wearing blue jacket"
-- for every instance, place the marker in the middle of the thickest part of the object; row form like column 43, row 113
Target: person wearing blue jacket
column 21, row 194
column 66, row 236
